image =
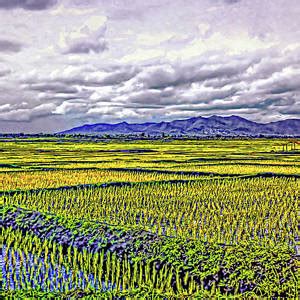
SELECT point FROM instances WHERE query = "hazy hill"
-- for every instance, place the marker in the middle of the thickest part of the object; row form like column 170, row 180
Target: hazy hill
column 214, row 125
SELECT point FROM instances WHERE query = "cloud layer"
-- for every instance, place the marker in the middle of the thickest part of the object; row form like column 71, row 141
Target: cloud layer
column 27, row 4
column 65, row 63
column 9, row 46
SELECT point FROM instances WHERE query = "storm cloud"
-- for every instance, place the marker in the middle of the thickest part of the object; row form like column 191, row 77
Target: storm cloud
column 4, row 70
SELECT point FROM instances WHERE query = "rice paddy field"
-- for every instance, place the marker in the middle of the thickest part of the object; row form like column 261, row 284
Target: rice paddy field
column 157, row 219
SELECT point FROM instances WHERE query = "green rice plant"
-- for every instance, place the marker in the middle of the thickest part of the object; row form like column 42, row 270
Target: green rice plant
column 27, row 180
column 218, row 211
column 249, row 224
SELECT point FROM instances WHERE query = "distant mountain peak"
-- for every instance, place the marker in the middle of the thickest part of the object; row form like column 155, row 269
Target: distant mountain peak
column 199, row 126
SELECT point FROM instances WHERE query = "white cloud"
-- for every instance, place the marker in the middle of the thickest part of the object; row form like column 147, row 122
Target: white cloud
column 147, row 39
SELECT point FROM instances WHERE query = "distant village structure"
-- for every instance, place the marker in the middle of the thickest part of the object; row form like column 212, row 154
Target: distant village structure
column 292, row 144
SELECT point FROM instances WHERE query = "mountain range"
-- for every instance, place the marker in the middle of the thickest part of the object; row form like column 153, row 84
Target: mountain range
column 199, row 126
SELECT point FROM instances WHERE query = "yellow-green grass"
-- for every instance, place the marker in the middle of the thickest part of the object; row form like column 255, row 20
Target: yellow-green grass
column 58, row 178
column 158, row 154
column 240, row 169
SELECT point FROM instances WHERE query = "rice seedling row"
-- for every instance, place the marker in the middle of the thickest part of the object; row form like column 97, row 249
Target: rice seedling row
column 224, row 211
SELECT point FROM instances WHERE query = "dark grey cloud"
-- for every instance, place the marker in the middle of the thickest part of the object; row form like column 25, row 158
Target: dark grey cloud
column 91, row 40
column 53, row 87
column 281, row 83
column 176, row 75
column 85, row 46
column 9, row 46
column 293, row 110
column 84, row 78
column 4, row 71
column 286, row 86
column 175, row 97
column 28, row 114
column 232, row 1
column 236, row 83
column 61, row 97
column 27, row 4
column 133, row 9
column 208, row 96
column 119, row 76
column 11, row 93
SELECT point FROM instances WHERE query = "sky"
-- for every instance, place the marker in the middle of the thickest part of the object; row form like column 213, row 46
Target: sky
column 65, row 63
